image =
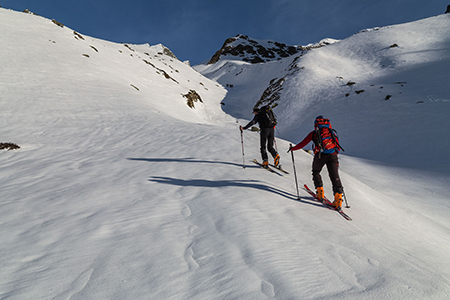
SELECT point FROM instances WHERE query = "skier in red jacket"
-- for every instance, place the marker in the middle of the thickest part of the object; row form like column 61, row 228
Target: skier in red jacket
column 324, row 139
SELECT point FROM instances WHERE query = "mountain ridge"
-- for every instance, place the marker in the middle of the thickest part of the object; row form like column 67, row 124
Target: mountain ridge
column 259, row 51
column 395, row 69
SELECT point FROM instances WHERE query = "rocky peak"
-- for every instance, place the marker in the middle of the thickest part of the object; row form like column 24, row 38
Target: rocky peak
column 166, row 51
column 254, row 51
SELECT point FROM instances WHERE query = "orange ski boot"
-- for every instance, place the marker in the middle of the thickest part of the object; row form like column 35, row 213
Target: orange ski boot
column 337, row 203
column 320, row 194
column 276, row 161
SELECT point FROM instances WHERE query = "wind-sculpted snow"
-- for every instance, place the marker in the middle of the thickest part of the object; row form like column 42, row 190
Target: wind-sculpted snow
column 125, row 193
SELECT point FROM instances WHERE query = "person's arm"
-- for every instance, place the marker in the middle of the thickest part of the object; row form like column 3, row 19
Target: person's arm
column 303, row 143
column 251, row 123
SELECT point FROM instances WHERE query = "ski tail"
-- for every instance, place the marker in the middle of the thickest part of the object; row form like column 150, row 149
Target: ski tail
column 266, row 167
column 327, row 203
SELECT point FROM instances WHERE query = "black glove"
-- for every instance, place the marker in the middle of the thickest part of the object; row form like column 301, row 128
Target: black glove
column 290, row 149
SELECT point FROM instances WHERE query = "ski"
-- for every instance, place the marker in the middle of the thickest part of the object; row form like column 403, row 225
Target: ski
column 327, row 203
column 280, row 168
column 267, row 168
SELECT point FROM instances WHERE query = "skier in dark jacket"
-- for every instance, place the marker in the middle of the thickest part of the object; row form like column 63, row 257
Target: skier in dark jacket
column 320, row 160
column 267, row 136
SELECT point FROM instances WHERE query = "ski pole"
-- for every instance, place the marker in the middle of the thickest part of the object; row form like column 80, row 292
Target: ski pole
column 274, row 139
column 345, row 198
column 242, row 142
column 295, row 173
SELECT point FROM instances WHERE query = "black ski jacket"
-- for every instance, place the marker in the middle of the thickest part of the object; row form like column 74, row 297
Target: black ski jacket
column 258, row 118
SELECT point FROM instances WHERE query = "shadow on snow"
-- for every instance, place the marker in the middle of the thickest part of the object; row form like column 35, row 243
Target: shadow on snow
column 189, row 160
column 253, row 184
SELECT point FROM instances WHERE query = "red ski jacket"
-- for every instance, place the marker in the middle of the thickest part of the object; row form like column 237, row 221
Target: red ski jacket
column 306, row 141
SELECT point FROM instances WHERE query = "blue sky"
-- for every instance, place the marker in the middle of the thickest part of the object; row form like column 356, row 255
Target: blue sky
column 195, row 29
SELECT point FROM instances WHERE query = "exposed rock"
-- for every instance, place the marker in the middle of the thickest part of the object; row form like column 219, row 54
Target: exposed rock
column 57, row 23
column 9, row 146
column 192, row 96
column 160, row 71
column 272, row 93
column 131, row 49
column 78, row 36
column 254, row 51
column 27, row 11
column 167, row 52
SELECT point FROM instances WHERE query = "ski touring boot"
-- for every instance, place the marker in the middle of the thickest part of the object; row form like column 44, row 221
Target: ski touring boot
column 320, row 194
column 265, row 164
column 337, row 203
column 276, row 161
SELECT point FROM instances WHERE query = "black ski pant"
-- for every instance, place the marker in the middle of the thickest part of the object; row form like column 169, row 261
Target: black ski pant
column 267, row 137
column 332, row 163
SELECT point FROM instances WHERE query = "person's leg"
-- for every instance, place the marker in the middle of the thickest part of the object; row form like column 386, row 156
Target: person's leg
column 317, row 166
column 270, row 148
column 270, row 139
column 263, row 140
column 333, row 172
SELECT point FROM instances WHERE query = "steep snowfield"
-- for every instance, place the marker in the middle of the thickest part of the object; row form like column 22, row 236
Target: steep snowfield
column 413, row 74
column 349, row 82
column 121, row 191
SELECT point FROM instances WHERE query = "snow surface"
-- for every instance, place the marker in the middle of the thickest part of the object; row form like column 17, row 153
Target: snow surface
column 121, row 191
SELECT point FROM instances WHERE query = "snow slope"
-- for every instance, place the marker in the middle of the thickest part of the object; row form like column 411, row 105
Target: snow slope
column 121, row 191
column 392, row 80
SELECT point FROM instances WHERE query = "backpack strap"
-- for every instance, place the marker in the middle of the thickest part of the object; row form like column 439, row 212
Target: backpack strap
column 336, row 139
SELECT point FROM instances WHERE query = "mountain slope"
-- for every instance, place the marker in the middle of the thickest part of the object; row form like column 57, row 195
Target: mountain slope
column 125, row 193
column 388, row 81
column 399, row 92
column 127, row 70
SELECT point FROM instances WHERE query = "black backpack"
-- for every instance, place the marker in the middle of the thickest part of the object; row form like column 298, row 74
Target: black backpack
column 268, row 118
